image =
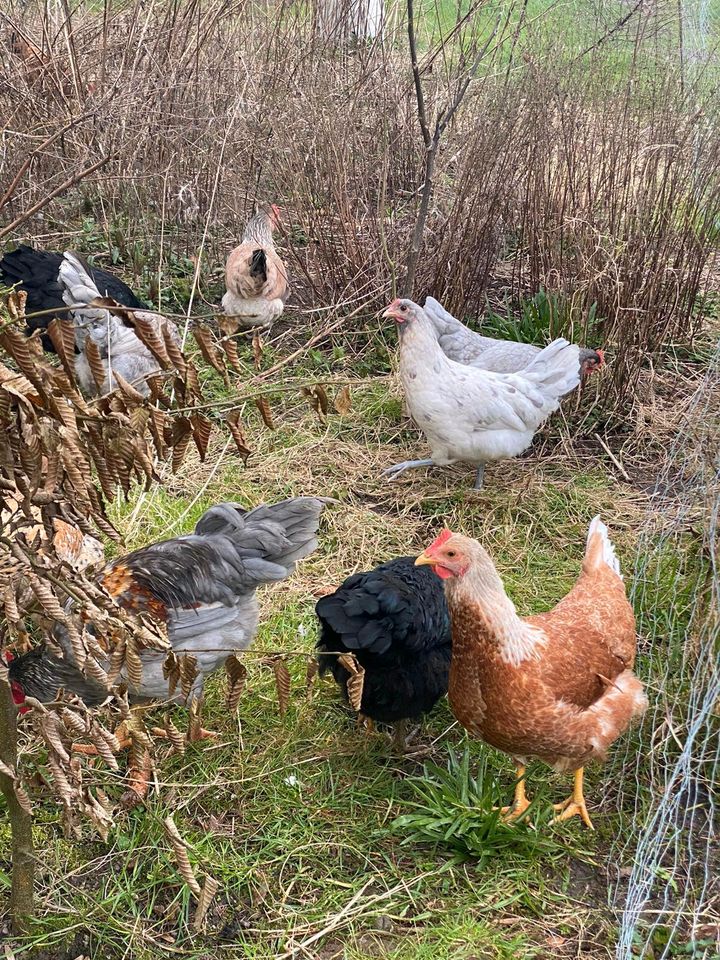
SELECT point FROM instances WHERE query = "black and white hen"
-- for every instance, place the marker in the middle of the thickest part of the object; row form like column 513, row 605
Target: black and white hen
column 395, row 620
column 37, row 272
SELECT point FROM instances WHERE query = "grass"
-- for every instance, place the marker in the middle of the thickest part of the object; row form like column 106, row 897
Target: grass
column 307, row 821
column 323, row 840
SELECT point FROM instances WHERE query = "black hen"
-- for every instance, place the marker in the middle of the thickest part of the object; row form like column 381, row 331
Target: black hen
column 395, row 620
column 37, row 273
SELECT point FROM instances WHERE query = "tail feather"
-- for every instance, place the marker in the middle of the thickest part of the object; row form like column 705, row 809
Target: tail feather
column 80, row 288
column 588, row 734
column 258, row 264
column 611, row 715
column 281, row 533
column 556, row 369
column 600, row 549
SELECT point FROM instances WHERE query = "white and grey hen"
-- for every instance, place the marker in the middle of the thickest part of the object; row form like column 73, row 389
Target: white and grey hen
column 463, row 345
column 473, row 415
column 120, row 348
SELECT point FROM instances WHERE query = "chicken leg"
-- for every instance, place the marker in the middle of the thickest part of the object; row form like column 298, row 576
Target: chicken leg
column 397, row 468
column 520, row 801
column 575, row 804
column 479, row 476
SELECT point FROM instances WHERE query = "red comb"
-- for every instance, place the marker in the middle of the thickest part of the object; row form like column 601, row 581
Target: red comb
column 601, row 354
column 441, row 539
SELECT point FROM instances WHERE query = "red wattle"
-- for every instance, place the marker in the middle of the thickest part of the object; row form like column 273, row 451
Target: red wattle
column 17, row 691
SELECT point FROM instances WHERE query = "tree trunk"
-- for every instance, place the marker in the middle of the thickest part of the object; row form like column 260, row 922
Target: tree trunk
column 23, row 855
column 418, row 232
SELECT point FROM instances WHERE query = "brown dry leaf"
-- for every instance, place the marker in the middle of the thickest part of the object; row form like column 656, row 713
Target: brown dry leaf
column 228, row 326
column 158, row 419
column 178, row 452
column 171, row 671
column 99, row 812
column 231, row 349
column 237, row 677
column 12, row 614
column 204, row 338
column 139, row 773
column 195, row 727
column 264, row 408
column 207, row 895
column 180, row 848
column 188, row 673
column 311, row 675
column 127, row 389
column 133, row 663
column 62, row 335
column 318, row 399
column 173, row 349
column 95, row 361
column 21, row 350
column 343, row 401
column 16, row 304
column 257, row 349
column 355, row 681
column 201, row 431
column 144, row 326
column 22, row 798
column 175, row 737
column 282, row 684
column 235, row 425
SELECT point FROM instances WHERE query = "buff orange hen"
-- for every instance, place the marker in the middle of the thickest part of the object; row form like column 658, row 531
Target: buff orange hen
column 557, row 686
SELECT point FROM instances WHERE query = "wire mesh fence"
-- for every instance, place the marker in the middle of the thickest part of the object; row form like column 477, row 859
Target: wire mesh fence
column 668, row 883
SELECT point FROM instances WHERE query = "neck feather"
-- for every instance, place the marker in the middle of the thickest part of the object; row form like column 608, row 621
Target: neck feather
column 259, row 230
column 419, row 335
column 483, row 589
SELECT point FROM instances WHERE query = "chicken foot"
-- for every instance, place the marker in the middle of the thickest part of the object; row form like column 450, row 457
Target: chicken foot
column 479, row 477
column 520, row 801
column 574, row 806
column 367, row 722
column 397, row 468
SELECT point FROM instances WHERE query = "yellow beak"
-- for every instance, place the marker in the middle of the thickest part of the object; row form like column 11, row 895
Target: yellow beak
column 425, row 560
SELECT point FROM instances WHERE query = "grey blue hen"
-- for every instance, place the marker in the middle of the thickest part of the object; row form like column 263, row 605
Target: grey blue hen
column 202, row 585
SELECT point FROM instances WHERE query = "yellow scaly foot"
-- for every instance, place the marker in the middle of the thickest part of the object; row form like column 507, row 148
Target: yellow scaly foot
column 520, row 801
column 574, row 806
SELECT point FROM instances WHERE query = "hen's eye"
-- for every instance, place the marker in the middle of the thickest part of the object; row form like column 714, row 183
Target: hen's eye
column 451, row 553
column 403, row 308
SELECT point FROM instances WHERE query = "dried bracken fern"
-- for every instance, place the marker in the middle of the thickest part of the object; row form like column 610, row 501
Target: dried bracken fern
column 355, row 681
column 236, row 680
column 180, row 849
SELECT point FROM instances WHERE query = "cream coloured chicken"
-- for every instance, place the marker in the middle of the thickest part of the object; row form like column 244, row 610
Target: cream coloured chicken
column 463, row 345
column 471, row 415
column 255, row 276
